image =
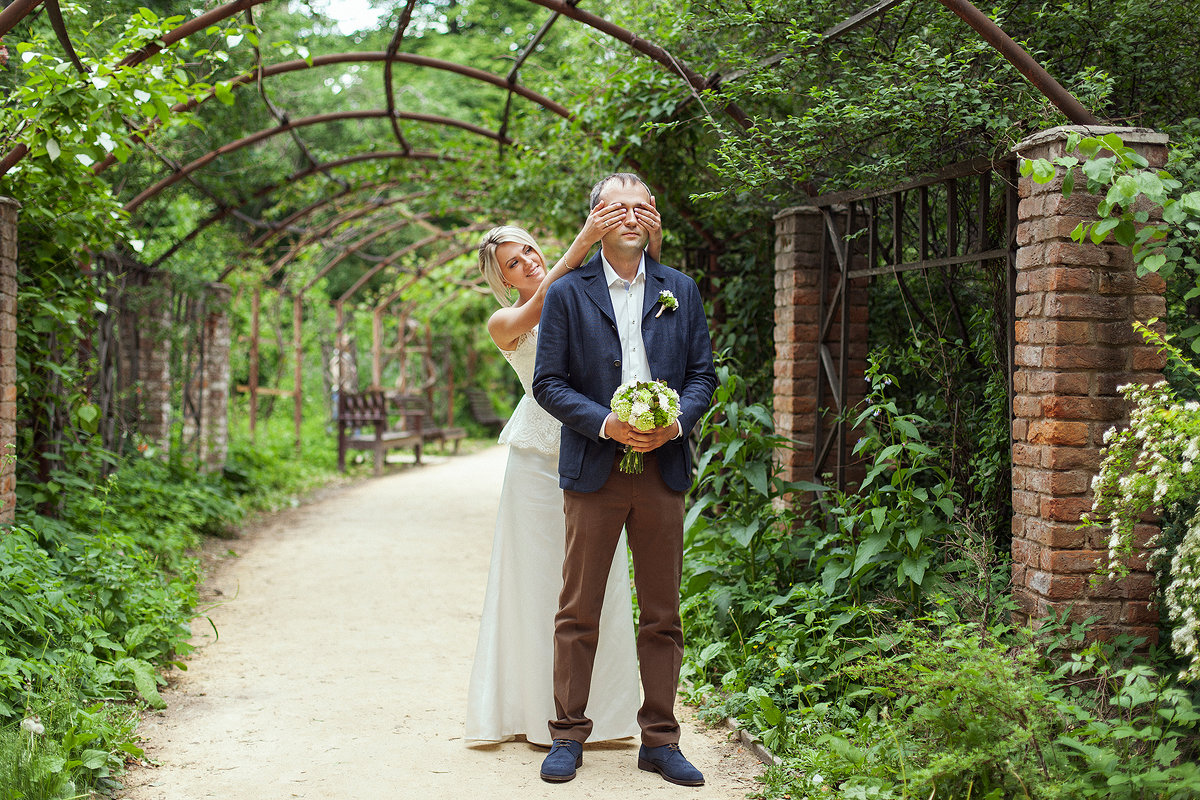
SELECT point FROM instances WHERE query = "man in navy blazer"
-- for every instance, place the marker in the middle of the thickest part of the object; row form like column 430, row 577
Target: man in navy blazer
column 603, row 325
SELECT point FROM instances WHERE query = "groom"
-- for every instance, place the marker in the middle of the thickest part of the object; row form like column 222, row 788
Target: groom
column 602, row 325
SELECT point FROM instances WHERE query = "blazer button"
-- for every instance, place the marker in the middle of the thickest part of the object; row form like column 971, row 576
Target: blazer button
column 617, row 363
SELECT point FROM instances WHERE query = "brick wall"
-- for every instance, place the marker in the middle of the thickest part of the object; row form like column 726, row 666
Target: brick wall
column 8, row 353
column 1075, row 344
column 798, row 234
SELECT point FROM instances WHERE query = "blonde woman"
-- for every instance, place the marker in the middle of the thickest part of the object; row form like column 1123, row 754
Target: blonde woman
column 511, row 691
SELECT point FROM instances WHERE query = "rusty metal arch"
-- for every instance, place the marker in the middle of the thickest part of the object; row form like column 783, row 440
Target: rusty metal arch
column 317, row 119
column 279, row 227
column 396, row 256
column 362, row 242
column 263, row 191
column 366, row 57
column 363, row 209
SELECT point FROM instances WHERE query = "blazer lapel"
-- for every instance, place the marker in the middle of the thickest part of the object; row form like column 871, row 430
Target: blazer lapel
column 655, row 283
column 597, row 290
column 651, row 324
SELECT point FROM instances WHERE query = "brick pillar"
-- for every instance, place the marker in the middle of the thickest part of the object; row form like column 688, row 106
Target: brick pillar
column 798, row 235
column 1075, row 305
column 217, row 337
column 154, row 369
column 8, row 358
column 212, row 393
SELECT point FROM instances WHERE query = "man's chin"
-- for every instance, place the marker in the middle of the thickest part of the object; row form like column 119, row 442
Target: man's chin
column 626, row 244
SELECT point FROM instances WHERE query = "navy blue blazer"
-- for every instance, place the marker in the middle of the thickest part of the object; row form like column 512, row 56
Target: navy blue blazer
column 579, row 367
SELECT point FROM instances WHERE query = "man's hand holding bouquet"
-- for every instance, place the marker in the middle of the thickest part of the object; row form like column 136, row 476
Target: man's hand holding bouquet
column 644, row 405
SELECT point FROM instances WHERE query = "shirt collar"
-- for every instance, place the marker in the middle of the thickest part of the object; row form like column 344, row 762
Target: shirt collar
column 611, row 277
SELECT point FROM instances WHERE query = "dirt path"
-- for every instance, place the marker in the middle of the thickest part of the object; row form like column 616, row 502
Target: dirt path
column 346, row 631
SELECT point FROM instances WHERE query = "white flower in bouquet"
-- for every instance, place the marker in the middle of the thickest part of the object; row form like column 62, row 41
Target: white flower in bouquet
column 644, row 405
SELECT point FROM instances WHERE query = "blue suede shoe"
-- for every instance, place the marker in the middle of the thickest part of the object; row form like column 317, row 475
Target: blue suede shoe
column 669, row 762
column 566, row 756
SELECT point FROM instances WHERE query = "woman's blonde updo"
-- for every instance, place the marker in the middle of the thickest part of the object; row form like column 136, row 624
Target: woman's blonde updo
column 490, row 266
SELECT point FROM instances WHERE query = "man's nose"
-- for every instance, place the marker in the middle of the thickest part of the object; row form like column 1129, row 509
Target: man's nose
column 630, row 218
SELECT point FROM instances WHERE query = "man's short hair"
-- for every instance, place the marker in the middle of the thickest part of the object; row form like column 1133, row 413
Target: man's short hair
column 622, row 178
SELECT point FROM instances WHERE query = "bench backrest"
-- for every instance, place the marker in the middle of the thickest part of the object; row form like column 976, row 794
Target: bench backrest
column 362, row 408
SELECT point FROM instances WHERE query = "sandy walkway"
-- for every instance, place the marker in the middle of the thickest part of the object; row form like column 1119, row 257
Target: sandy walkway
column 347, row 628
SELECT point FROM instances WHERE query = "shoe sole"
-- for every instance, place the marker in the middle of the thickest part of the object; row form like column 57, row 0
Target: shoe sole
column 649, row 766
column 562, row 778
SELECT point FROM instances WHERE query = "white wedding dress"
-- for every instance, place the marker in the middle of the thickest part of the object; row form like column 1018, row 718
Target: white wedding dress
column 512, row 683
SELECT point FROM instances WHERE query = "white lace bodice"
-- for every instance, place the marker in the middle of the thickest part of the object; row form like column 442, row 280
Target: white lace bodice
column 530, row 426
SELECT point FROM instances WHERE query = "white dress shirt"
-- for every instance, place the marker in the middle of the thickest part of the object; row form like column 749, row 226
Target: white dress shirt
column 628, row 301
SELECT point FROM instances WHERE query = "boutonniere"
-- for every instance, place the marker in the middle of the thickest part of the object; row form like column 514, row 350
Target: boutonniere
column 668, row 301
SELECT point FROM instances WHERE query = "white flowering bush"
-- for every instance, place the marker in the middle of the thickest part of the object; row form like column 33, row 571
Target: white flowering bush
column 1154, row 466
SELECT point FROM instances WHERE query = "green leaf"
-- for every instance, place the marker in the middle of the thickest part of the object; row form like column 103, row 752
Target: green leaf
column 94, row 759
column 1101, row 229
column 144, row 680
column 744, row 534
column 756, row 475
column 1125, row 232
column 223, row 93
column 696, row 509
column 914, row 569
column 872, row 546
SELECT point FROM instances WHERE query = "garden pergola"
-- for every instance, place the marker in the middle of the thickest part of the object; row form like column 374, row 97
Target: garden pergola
column 354, row 216
column 359, row 214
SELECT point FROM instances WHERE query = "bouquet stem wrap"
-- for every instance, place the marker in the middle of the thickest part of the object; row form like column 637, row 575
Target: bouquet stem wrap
column 645, row 405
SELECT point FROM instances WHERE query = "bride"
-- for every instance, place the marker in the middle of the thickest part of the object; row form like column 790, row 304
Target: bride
column 511, row 690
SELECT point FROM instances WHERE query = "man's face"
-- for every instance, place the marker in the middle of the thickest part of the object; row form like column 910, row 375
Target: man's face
column 629, row 235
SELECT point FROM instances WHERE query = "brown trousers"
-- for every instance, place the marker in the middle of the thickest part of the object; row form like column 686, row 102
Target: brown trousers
column 652, row 515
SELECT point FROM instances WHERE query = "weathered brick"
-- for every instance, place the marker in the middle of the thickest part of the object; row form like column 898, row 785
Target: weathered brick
column 1147, row 358
column 1070, row 253
column 1057, row 278
column 1057, row 535
column 1027, row 355
column 1107, row 383
column 1082, row 408
column 1064, row 509
column 1083, row 357
column 1135, row 586
column 1027, row 406
column 1026, row 454
column 1068, row 482
column 1128, row 283
column 1026, row 552
column 1055, row 587
column 1147, row 306
column 1048, row 381
column 1058, row 432
column 1139, row 612
column 1087, row 458
column 1066, row 562
column 1029, row 305
column 1031, row 256
column 1086, row 306
column 1026, row 502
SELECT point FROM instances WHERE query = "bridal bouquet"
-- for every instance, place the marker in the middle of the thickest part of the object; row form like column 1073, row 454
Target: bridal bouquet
column 644, row 405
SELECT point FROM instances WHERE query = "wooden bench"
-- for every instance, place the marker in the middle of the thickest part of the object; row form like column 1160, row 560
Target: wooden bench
column 430, row 431
column 482, row 409
column 371, row 409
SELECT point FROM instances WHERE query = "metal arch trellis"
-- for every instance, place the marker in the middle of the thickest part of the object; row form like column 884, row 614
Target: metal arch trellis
column 253, row 138
column 839, row 247
column 849, row 218
column 230, row 9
